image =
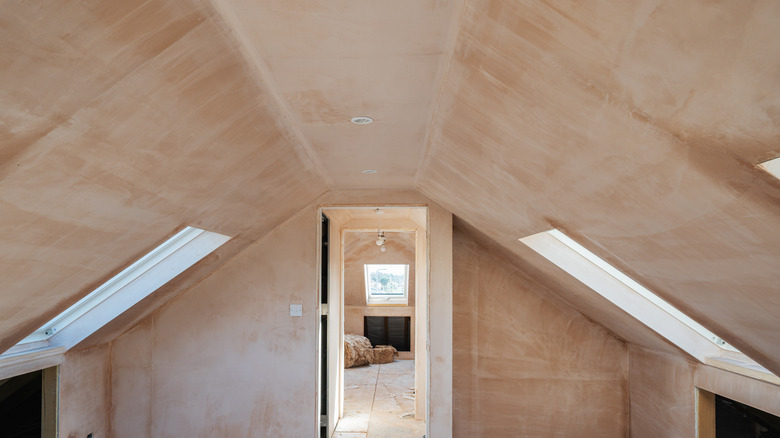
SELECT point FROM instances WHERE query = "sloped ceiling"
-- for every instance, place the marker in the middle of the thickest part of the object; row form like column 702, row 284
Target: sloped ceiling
column 334, row 60
column 633, row 126
column 121, row 123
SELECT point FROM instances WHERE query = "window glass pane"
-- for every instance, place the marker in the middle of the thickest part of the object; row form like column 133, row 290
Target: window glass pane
column 387, row 280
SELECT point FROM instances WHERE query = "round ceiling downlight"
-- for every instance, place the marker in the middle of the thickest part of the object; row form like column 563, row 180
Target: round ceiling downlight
column 362, row 120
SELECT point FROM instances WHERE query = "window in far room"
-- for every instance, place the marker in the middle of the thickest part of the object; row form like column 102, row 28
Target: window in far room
column 387, row 284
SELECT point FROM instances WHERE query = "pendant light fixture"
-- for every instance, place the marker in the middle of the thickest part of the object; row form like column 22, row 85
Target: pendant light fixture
column 380, row 235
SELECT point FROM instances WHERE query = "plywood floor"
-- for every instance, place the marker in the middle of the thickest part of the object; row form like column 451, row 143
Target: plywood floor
column 376, row 399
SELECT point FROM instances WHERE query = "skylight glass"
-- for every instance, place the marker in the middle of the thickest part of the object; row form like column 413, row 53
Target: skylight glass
column 772, row 166
column 128, row 287
column 655, row 299
column 387, row 284
column 629, row 295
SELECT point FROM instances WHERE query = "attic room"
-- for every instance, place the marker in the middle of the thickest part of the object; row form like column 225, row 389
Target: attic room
column 592, row 188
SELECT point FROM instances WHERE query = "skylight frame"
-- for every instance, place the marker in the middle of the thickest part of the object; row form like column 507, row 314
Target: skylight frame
column 642, row 304
column 378, row 299
column 137, row 281
column 638, row 288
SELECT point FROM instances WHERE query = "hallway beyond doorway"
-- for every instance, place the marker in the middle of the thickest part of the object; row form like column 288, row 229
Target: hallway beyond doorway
column 379, row 402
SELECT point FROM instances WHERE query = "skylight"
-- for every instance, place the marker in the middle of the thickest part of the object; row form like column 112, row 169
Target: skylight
column 127, row 288
column 772, row 166
column 635, row 299
column 387, row 284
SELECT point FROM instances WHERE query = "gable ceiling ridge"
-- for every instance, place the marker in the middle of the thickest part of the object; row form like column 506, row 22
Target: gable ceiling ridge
column 441, row 79
column 374, row 197
column 235, row 31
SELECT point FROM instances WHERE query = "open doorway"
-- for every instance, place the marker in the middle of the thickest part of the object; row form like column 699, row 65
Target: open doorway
column 377, row 283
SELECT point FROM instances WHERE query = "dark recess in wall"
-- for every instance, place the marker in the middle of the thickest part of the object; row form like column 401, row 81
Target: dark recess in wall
column 388, row 330
column 20, row 406
column 736, row 420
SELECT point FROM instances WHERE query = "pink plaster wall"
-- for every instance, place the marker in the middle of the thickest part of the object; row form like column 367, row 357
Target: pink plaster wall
column 523, row 366
column 662, row 395
column 663, row 387
column 85, row 393
column 227, row 359
column 131, row 382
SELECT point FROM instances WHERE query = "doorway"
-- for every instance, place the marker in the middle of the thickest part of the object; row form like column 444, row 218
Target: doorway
column 377, row 399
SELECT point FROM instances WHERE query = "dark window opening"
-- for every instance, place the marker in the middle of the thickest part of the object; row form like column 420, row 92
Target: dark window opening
column 736, row 420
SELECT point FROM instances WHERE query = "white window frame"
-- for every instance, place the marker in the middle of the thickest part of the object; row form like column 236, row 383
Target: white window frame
column 642, row 304
column 111, row 299
column 385, row 300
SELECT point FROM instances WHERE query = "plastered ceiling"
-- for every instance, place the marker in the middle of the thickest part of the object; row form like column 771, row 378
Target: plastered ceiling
column 633, row 126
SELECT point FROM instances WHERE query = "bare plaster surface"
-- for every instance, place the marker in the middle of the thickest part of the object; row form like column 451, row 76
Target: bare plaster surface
column 525, row 366
column 235, row 321
column 336, row 60
column 85, row 393
column 662, row 395
column 226, row 359
column 131, row 382
column 120, row 125
column 555, row 286
column 632, row 126
column 635, row 128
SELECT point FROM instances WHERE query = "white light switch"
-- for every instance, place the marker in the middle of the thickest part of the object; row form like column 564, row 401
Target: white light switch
column 296, row 309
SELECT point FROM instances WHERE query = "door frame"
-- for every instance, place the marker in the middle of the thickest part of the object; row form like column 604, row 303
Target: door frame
column 433, row 357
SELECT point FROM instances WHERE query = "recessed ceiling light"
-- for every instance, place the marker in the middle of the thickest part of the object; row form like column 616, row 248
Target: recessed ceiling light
column 369, row 171
column 362, row 120
column 772, row 166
